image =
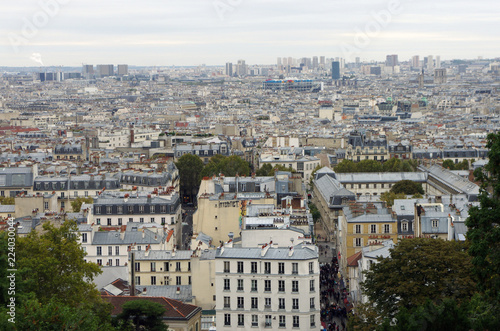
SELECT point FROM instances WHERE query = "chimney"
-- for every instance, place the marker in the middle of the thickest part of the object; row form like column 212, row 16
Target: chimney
column 178, row 290
column 264, row 250
column 290, row 251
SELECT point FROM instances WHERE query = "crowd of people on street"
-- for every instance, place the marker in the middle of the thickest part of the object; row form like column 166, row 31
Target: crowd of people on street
column 333, row 293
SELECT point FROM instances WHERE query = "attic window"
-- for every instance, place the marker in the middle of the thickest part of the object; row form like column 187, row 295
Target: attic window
column 402, row 207
column 435, row 223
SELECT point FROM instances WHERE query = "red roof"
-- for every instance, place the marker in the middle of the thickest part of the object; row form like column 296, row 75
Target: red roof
column 352, row 261
column 174, row 308
column 169, row 235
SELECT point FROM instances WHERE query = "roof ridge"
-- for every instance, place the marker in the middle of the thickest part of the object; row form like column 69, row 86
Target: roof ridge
column 175, row 308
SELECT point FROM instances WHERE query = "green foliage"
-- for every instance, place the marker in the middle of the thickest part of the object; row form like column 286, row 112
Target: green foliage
column 390, row 196
column 426, row 269
column 51, row 265
column 190, row 167
column 483, row 224
column 227, row 165
column 141, row 314
column 369, row 166
column 7, row 200
column 407, row 187
column 268, row 170
column 263, row 118
column 345, row 166
column 76, row 204
column 314, row 212
column 449, row 164
column 391, row 165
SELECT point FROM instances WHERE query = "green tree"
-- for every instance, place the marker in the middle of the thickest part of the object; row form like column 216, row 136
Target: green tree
column 464, row 165
column 390, row 196
column 369, row 166
column 483, row 224
column 448, row 164
column 314, row 212
column 7, row 200
column 190, row 167
column 52, row 264
column 227, row 165
column 142, row 315
column 393, row 165
column 426, row 269
column 265, row 170
column 407, row 187
column 345, row 166
column 76, row 204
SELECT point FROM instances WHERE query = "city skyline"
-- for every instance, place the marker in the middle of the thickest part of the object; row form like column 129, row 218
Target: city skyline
column 70, row 33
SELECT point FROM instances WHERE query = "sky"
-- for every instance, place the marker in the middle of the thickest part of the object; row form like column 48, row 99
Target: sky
column 212, row 32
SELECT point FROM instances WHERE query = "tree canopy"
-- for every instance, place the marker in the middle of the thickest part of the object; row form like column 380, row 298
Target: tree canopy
column 76, row 204
column 407, row 187
column 449, row 164
column 419, row 269
column 391, row 165
column 268, row 170
column 190, row 167
column 227, row 165
column 140, row 315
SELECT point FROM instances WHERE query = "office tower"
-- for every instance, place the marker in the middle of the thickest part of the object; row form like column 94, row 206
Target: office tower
column 438, row 61
column 415, row 61
column 290, row 61
column 315, row 62
column 376, row 71
column 322, row 61
column 285, row 61
column 430, row 62
column 122, row 69
column 88, row 71
column 278, row 62
column 105, row 70
column 335, row 70
column 242, row 68
column 391, row 60
column 439, row 76
column 229, row 69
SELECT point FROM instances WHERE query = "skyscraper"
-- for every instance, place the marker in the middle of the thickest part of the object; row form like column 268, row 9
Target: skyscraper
column 105, row 70
column 88, row 71
column 335, row 70
column 391, row 60
column 278, row 62
column 322, row 61
column 229, row 69
column 315, row 62
column 415, row 61
column 122, row 69
column 438, row 61
column 430, row 63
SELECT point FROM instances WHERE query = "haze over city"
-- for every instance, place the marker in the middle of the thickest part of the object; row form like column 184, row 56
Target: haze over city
column 212, row 32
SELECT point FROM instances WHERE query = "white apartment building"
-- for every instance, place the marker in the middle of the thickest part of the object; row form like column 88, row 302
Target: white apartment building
column 267, row 287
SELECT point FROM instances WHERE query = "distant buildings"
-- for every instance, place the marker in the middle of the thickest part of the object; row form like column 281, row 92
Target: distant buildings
column 335, row 70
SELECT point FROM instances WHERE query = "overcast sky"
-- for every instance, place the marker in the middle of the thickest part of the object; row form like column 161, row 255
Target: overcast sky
column 192, row 32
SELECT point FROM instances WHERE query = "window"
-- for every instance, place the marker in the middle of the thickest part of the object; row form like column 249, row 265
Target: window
column 255, row 303
column 99, row 262
column 404, row 226
column 269, row 320
column 166, row 266
column 99, row 250
column 152, row 219
column 117, row 262
column 373, row 228
column 281, row 267
column 240, row 267
column 141, row 219
column 253, row 267
column 189, row 266
column 110, row 250
column 281, row 286
column 281, row 303
column 108, row 210
column 177, row 266
column 295, row 303
column 255, row 320
column 311, row 303
column 282, row 320
column 241, row 303
column 84, row 237
column 119, row 209
column 311, row 285
column 254, row 285
column 137, row 280
column 153, row 266
column 295, row 268
column 178, row 280
column 227, row 287
column 267, row 285
column 226, row 266
column 241, row 319
column 141, row 209
column 189, row 280
column 98, row 221
column 267, row 267
column 387, row 228
column 295, row 285
column 227, row 319
column 295, row 321
column 358, row 228
column 311, row 267
column 227, row 302
column 435, row 223
column 267, row 303
column 153, row 280
column 358, row 242
column 240, row 284
column 97, row 210
column 137, row 266
column 312, row 321
column 120, row 221
column 172, row 220
column 110, row 262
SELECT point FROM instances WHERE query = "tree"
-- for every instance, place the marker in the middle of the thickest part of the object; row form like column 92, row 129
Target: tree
column 369, row 166
column 190, row 167
column 426, row 269
column 345, row 166
column 448, row 164
column 7, row 200
column 484, row 224
column 393, row 165
column 265, row 170
column 142, row 314
column 407, row 187
column 76, row 204
column 314, row 212
column 390, row 196
column 52, row 265
column 229, row 166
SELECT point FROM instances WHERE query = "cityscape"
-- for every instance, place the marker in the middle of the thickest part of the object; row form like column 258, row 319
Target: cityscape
column 346, row 188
